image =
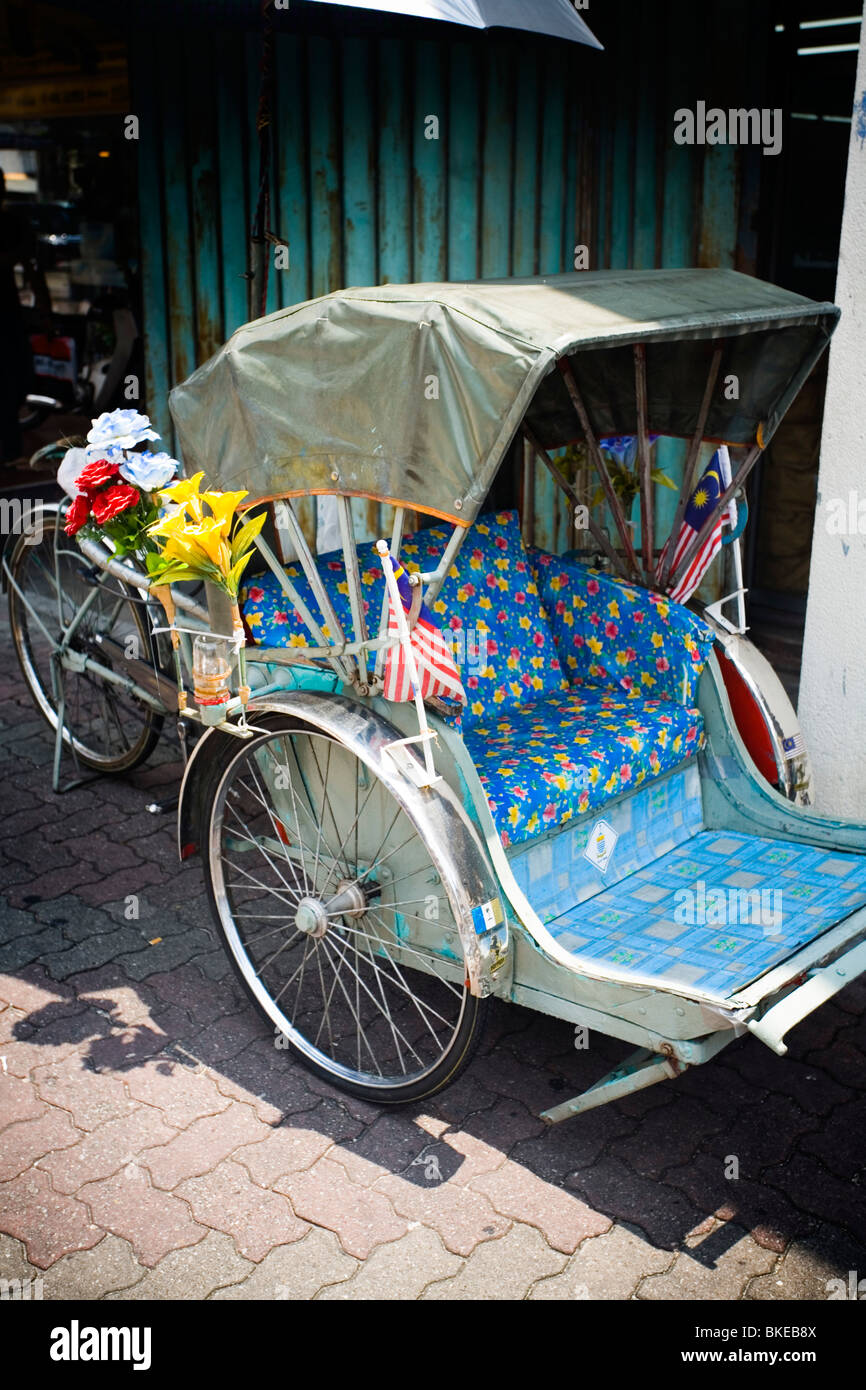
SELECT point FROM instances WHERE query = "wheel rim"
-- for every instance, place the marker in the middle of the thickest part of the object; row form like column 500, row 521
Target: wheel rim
column 334, row 913
column 109, row 727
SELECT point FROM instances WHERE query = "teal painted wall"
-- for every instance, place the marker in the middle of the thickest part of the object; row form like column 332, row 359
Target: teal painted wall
column 542, row 147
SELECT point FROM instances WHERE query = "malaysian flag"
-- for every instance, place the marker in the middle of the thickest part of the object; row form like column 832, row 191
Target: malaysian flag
column 437, row 673
column 709, row 488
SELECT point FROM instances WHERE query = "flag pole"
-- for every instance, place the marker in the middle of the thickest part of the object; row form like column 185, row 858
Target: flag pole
column 408, row 653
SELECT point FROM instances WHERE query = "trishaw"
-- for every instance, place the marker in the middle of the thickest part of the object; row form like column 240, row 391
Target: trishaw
column 588, row 836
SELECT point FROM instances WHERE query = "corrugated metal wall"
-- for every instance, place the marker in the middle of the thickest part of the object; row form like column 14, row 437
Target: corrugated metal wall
column 542, row 146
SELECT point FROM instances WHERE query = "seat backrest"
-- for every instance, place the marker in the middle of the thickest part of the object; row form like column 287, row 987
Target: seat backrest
column 489, row 604
column 619, row 636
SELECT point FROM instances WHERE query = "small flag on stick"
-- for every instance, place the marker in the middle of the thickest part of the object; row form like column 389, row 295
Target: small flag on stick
column 423, row 654
column 709, row 488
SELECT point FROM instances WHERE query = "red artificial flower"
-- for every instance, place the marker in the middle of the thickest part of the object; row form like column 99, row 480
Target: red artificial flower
column 77, row 515
column 96, row 474
column 114, row 500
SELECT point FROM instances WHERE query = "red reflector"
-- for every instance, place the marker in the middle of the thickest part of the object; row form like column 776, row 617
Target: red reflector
column 188, row 850
column 281, row 831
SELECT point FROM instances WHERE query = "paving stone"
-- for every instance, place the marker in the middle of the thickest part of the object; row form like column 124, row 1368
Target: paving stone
column 182, row 1094
column 77, row 920
column 215, row 965
column 193, row 1273
column 51, row 884
column 91, row 1098
column 826, row 1265
column 273, row 1084
column 127, row 1048
column 507, row 1075
column 751, row 1068
column 107, row 988
column 844, row 1060
column 165, row 954
column 257, row 1219
column 106, row 852
column 97, row 948
column 204, row 1144
column 109, row 1269
column 188, row 989
column 14, row 1263
column 98, row 889
column 561, row 1217
column 285, row 1150
column 19, row 1100
column 111, row 1147
column 31, row 990
column 764, row 1211
column 814, row 1189
column 839, row 1141
column 391, row 1145
column 762, row 1135
column 227, row 1037
column 658, row 1209
column 294, row 1273
column 718, row 1266
column 462, row 1218
column 503, row 1269
column 29, row 1140
column 609, row 1266
column 562, row 1148
column 49, row 1223
column 668, row 1136
column 153, row 1222
column 361, row 1218
column 400, row 1270
column 23, row 950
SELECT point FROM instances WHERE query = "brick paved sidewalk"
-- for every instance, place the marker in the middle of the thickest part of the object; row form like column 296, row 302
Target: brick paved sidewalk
column 155, row 1144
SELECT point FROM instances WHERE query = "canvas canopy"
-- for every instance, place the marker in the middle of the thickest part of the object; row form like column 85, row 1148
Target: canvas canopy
column 412, row 393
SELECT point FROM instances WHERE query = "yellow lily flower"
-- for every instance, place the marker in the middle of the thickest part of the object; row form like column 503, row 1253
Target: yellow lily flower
column 208, row 534
column 223, row 505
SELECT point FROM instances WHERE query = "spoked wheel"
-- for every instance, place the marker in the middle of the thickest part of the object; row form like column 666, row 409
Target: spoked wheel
column 335, row 918
column 110, row 729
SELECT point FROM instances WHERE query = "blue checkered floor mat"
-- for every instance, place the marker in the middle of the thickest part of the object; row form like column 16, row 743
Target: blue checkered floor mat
column 717, row 911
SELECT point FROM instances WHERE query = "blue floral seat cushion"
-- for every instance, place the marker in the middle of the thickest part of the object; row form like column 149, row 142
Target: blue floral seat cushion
column 502, row 641
column 543, row 763
column 621, row 637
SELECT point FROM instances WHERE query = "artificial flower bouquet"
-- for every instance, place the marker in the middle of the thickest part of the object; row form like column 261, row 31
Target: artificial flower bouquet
column 178, row 531
column 116, row 493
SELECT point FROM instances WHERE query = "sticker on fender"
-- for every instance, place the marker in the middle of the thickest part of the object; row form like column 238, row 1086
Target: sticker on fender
column 487, row 916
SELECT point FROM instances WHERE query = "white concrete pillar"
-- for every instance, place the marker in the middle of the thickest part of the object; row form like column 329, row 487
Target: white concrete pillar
column 832, row 704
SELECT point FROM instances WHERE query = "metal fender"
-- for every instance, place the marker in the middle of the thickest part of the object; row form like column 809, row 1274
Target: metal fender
column 456, row 850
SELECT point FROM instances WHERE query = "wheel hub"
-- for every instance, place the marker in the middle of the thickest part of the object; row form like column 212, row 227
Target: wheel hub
column 312, row 915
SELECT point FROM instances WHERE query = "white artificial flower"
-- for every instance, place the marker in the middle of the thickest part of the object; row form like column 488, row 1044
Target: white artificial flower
column 121, row 428
column 149, row 471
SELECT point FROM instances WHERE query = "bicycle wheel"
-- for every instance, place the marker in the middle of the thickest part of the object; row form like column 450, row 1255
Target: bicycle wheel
column 110, row 729
column 334, row 917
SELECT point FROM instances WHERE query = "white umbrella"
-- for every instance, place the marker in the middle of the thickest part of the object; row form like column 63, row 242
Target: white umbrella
column 556, row 17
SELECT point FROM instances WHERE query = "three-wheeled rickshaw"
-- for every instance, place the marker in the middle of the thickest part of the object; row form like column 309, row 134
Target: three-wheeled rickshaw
column 588, row 834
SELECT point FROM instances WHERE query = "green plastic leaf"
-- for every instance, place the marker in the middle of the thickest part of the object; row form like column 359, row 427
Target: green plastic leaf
column 244, row 538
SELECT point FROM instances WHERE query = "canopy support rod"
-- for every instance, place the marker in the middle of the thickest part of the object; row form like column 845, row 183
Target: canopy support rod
column 718, row 511
column 596, row 531
column 598, row 462
column 436, row 579
column 643, row 445
column 297, row 602
column 689, row 466
column 308, row 565
column 353, row 577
